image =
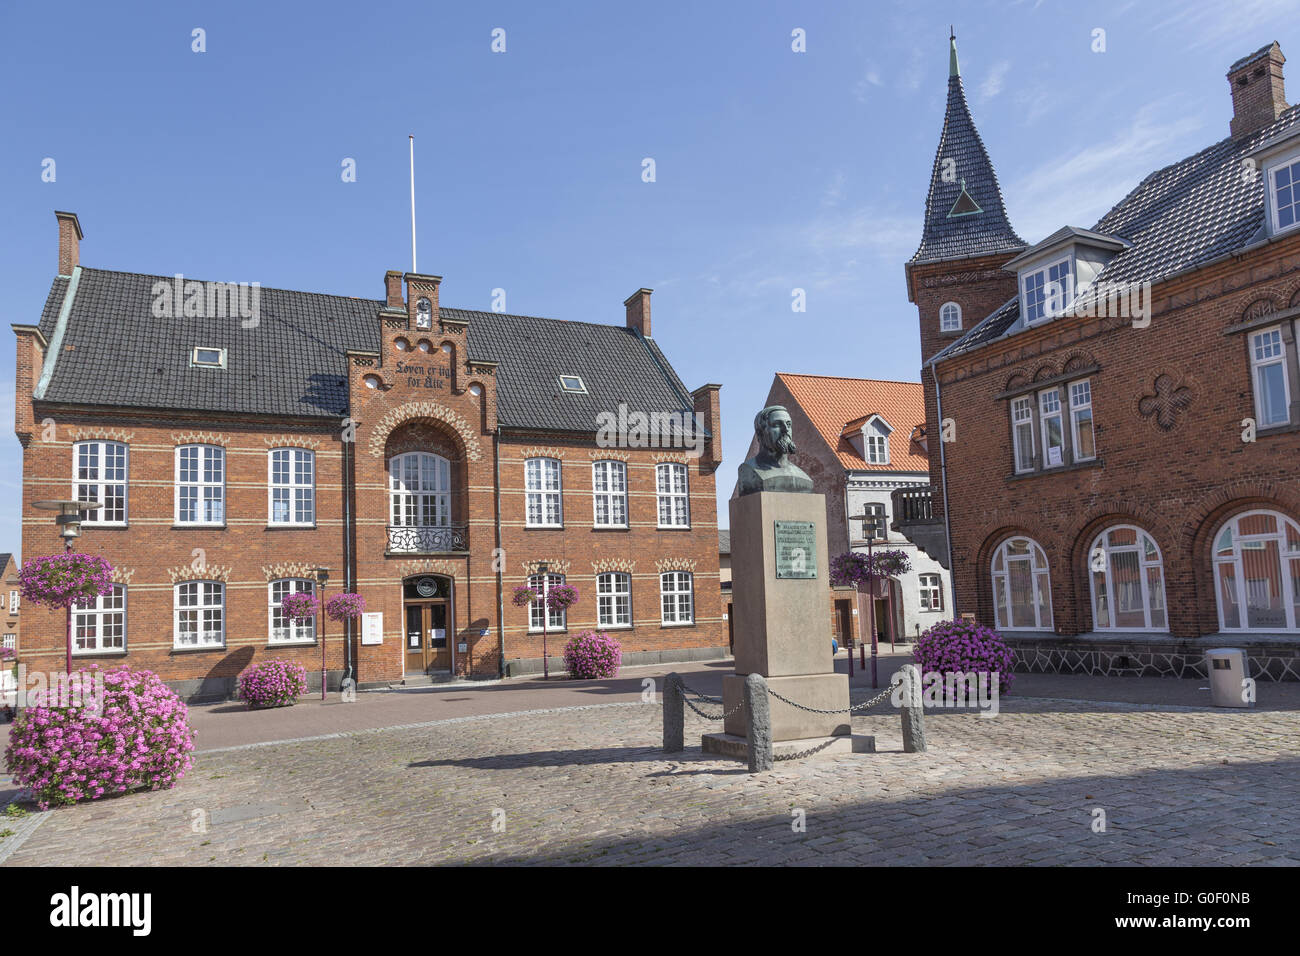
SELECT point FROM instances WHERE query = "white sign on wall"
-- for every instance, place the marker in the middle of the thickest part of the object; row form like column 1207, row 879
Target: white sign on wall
column 372, row 627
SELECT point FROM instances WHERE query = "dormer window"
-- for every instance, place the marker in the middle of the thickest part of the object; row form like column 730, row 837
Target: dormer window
column 875, row 441
column 950, row 317
column 203, row 357
column 424, row 314
column 1047, row 291
column 572, row 383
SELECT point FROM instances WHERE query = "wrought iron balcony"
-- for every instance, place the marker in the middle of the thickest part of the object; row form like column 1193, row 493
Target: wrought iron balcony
column 914, row 519
column 426, row 539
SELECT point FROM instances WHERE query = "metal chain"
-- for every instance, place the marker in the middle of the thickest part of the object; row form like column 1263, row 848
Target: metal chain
column 722, row 716
column 704, row 697
column 805, row 753
column 841, row 710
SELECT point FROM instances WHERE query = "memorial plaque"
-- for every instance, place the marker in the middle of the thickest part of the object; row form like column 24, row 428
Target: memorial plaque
column 796, row 549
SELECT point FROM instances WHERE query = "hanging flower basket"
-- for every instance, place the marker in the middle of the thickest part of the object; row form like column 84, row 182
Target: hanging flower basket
column 891, row 563
column 65, row 580
column 524, row 595
column 561, row 597
column 856, row 569
column 300, row 606
column 345, row 607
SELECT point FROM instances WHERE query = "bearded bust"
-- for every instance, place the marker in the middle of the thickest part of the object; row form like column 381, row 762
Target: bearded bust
column 771, row 469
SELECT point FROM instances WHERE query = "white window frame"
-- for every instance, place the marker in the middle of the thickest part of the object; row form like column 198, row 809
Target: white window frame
column 10, row 641
column 1257, row 364
column 671, row 602
column 1002, row 579
column 1045, row 273
column 1100, row 562
column 411, row 506
column 1023, row 413
column 295, row 491
column 205, row 453
column 1045, row 416
column 14, row 602
column 538, row 473
column 667, row 495
column 97, row 617
column 98, row 484
column 288, row 632
column 1292, row 165
column 558, row 620
column 1235, row 559
column 612, row 493
column 202, row 607
column 196, row 362
column 930, row 592
column 579, row 386
column 1077, row 408
column 614, row 599
column 950, row 317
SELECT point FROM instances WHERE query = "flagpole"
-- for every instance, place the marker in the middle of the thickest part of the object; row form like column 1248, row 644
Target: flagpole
column 413, row 266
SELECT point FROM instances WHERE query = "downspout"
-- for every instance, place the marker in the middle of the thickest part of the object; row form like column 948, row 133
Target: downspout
column 349, row 582
column 496, row 560
column 943, row 483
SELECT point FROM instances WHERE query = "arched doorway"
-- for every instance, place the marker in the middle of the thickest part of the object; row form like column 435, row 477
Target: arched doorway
column 427, row 615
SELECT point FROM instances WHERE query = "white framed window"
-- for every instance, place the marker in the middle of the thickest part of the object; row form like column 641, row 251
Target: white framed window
column 572, row 383
column 1081, row 431
column 292, row 486
column 1047, row 291
column 282, row 630
column 200, row 614
column 10, row 641
column 877, row 449
column 544, row 493
column 949, row 317
column 879, row 527
column 1022, row 429
column 13, row 602
column 1053, row 433
column 204, row 357
column 99, row 470
column 931, row 592
column 101, row 628
column 557, row 620
column 419, row 490
column 1285, row 183
column 614, row 599
column 609, row 494
column 201, row 485
column 1128, row 581
column 1268, row 374
column 1257, row 573
column 1022, row 586
column 676, row 597
column 672, row 491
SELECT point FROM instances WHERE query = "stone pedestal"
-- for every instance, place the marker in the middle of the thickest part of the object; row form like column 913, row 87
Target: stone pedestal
column 782, row 628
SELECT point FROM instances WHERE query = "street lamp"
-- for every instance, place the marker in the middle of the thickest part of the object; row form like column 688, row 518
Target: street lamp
column 68, row 520
column 322, row 578
column 544, row 570
column 869, row 524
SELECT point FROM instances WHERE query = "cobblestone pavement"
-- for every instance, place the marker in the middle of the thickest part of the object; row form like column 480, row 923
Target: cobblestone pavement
column 1177, row 785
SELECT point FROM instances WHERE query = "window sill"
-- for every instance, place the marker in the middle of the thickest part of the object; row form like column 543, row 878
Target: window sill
column 543, row 527
column 615, row 627
column 554, row 630
column 673, row 527
column 1282, row 429
column 198, row 650
column 286, row 526
column 196, row 526
column 311, row 643
column 114, row 652
column 678, row 624
column 104, row 526
column 1058, row 469
column 609, row 527
column 950, row 333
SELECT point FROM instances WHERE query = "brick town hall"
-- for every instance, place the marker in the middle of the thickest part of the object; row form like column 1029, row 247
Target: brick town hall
column 432, row 459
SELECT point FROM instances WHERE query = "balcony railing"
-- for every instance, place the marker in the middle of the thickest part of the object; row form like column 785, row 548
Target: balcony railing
column 912, row 505
column 425, row 539
column 914, row 519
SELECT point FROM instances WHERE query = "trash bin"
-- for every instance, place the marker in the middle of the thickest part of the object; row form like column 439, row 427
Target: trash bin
column 1226, row 667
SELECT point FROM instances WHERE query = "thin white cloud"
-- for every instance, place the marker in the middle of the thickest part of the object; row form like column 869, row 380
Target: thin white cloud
column 862, row 90
column 1248, row 24
column 994, row 81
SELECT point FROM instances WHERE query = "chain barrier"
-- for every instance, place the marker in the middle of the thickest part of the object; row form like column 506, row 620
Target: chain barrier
column 840, row 710
column 805, row 753
column 704, row 698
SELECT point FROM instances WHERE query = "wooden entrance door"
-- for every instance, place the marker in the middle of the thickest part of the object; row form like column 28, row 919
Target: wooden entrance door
column 427, row 638
column 844, row 623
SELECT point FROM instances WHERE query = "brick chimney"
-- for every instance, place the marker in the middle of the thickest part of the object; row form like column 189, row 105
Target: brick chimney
column 70, row 237
column 1258, row 97
column 638, row 311
column 708, row 410
column 393, row 289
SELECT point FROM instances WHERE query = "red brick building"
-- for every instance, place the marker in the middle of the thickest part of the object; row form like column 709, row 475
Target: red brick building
column 1119, row 406
column 430, row 458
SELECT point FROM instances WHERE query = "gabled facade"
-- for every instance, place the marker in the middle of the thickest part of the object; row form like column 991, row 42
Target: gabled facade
column 431, row 458
column 1119, row 411
column 10, row 609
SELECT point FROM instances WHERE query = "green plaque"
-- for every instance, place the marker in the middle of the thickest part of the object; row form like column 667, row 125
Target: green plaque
column 796, row 549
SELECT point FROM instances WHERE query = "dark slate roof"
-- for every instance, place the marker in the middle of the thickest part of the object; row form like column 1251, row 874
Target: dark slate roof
column 294, row 363
column 1180, row 217
column 724, row 541
column 1251, row 58
column 4, row 560
column 974, row 234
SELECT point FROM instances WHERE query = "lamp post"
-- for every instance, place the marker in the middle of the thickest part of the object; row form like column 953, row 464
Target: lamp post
column 68, row 520
column 543, row 569
column 869, row 532
column 322, row 577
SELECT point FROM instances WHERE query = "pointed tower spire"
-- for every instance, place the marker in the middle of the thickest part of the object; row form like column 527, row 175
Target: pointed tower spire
column 964, row 214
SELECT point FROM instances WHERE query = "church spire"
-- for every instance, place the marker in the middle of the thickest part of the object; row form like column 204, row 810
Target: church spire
column 964, row 214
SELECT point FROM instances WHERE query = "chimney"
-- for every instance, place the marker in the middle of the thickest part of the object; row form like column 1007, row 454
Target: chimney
column 638, row 311
column 1257, row 94
column 70, row 237
column 393, row 289
column 708, row 412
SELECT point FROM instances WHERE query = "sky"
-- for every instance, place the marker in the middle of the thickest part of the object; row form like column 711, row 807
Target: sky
column 775, row 170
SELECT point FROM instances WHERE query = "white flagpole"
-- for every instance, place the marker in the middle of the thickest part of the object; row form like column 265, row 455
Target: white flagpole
column 413, row 266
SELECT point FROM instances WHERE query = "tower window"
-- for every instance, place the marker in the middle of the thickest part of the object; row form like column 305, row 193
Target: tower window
column 950, row 317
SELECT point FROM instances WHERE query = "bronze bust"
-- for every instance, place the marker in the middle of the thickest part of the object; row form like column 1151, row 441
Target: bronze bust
column 771, row 469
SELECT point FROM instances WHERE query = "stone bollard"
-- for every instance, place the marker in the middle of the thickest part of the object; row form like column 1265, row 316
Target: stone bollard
column 758, row 734
column 674, row 715
column 913, row 711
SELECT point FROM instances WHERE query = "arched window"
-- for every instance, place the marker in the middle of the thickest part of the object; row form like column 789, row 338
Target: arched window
column 949, row 317
column 1257, row 572
column 1022, row 587
column 419, row 486
column 1128, row 581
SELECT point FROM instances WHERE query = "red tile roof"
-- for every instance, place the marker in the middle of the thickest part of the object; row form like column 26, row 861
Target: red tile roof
column 831, row 403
